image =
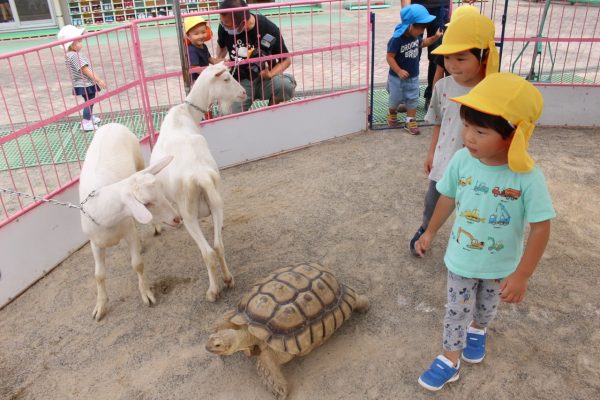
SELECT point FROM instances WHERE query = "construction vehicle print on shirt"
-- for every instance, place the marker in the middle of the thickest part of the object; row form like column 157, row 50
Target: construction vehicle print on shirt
column 472, row 215
column 495, row 246
column 500, row 219
column 465, row 181
column 473, row 243
column 480, row 187
column 508, row 193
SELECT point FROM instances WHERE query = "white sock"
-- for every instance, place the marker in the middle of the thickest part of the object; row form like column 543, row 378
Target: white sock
column 447, row 361
column 476, row 330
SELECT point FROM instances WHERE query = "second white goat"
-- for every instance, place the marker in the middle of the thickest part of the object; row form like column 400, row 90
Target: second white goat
column 192, row 179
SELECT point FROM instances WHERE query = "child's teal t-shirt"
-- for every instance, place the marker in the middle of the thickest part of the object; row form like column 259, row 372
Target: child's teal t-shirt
column 493, row 205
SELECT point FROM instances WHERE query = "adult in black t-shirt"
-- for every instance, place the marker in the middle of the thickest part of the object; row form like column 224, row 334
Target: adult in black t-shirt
column 245, row 36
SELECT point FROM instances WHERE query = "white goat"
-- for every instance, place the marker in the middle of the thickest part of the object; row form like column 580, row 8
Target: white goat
column 121, row 195
column 191, row 180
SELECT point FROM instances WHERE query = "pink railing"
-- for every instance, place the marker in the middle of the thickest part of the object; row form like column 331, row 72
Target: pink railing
column 42, row 145
column 553, row 42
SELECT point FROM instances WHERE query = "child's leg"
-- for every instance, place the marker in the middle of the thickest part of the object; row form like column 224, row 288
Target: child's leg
column 461, row 303
column 431, row 199
column 488, row 298
column 91, row 93
column 394, row 88
column 411, row 96
column 485, row 310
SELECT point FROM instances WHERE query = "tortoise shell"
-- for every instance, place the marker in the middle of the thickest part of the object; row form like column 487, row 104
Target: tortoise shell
column 295, row 309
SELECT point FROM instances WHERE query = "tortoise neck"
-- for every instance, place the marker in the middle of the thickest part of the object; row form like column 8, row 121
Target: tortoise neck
column 244, row 340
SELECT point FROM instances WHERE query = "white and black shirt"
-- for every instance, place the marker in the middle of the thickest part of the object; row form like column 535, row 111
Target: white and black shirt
column 75, row 62
column 246, row 45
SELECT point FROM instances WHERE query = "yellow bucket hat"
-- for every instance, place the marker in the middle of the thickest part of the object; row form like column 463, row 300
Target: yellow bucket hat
column 471, row 31
column 463, row 10
column 516, row 100
column 190, row 22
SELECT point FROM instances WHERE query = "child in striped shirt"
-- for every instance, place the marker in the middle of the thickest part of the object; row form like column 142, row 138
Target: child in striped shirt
column 85, row 82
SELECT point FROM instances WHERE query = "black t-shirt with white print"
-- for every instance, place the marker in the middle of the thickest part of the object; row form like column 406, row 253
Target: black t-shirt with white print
column 246, row 45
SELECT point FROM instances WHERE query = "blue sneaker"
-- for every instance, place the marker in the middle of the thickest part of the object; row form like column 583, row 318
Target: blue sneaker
column 418, row 234
column 440, row 373
column 475, row 351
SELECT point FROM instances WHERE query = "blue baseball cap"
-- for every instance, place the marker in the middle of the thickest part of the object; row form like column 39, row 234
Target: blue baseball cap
column 412, row 14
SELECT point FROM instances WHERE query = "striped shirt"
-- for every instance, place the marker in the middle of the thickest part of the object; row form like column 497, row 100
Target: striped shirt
column 75, row 62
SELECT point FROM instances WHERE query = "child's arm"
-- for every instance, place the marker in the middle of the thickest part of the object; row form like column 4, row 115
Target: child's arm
column 215, row 60
column 87, row 71
column 391, row 60
column 432, row 39
column 434, row 139
column 439, row 74
column 513, row 287
column 443, row 209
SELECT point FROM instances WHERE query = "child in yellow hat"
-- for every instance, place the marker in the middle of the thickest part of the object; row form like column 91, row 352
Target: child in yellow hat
column 197, row 33
column 470, row 54
column 496, row 190
column 440, row 68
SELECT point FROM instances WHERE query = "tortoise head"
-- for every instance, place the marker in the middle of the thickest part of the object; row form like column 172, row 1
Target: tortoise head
column 225, row 342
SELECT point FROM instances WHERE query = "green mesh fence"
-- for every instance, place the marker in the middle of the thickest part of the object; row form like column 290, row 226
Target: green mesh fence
column 64, row 141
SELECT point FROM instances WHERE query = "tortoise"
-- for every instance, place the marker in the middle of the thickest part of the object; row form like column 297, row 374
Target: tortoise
column 285, row 315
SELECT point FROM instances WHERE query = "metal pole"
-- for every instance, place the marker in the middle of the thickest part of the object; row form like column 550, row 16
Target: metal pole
column 502, row 34
column 370, row 117
column 183, row 54
column 538, row 45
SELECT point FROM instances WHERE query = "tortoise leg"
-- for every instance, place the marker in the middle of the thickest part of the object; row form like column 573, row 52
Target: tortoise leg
column 362, row 303
column 268, row 366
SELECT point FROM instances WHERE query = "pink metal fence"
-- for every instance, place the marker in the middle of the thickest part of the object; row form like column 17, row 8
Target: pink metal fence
column 554, row 42
column 42, row 145
column 41, row 142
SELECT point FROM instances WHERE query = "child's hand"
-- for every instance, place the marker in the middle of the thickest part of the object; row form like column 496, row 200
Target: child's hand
column 266, row 73
column 101, row 83
column 424, row 243
column 513, row 288
column 403, row 74
column 428, row 164
column 439, row 33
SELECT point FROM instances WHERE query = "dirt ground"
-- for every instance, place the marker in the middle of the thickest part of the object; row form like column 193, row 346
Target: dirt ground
column 353, row 204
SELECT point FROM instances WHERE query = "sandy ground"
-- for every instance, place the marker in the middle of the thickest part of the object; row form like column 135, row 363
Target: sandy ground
column 352, row 203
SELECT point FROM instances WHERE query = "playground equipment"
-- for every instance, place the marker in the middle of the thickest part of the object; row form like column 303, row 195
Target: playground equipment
column 502, row 219
column 474, row 244
column 472, row 215
column 495, row 246
column 537, row 52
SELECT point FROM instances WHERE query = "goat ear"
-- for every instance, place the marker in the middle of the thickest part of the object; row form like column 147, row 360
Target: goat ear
column 159, row 165
column 138, row 210
column 221, row 72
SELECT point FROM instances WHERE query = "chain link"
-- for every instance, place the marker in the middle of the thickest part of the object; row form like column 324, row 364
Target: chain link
column 60, row 203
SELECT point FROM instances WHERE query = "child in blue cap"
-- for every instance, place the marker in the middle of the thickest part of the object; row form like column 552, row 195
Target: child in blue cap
column 403, row 58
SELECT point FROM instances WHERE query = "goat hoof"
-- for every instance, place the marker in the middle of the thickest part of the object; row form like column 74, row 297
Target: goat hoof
column 229, row 283
column 99, row 312
column 148, row 298
column 212, row 296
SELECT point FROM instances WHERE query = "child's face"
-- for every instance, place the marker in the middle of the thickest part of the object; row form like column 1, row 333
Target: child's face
column 485, row 144
column 76, row 45
column 415, row 30
column 198, row 34
column 465, row 68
